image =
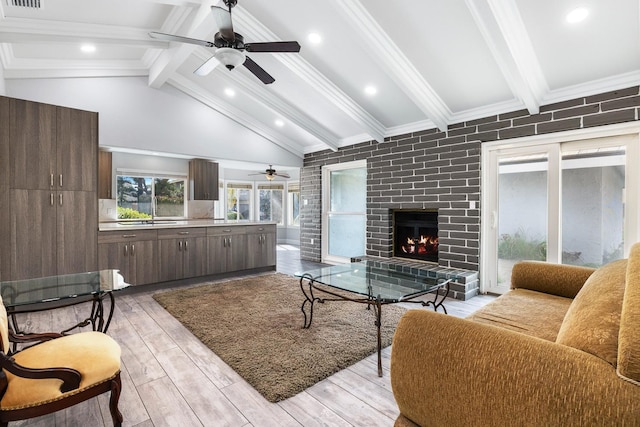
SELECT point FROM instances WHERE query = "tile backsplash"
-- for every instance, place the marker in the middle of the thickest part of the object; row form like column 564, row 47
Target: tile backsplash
column 197, row 209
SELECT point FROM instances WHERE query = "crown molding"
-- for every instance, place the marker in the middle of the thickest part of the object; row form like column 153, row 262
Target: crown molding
column 487, row 111
column 391, row 58
column 193, row 90
column 594, row 87
column 252, row 28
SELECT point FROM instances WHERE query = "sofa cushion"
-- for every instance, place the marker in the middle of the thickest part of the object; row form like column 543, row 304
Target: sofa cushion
column 629, row 337
column 529, row 312
column 593, row 320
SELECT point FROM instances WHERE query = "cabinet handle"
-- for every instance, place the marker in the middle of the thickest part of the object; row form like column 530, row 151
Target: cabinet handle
column 224, row 242
column 229, row 241
column 60, row 180
column 183, row 233
column 51, row 180
column 260, row 228
column 126, row 250
column 60, row 196
column 228, row 230
column 51, row 199
column 126, row 236
column 179, row 246
column 133, row 250
column 186, row 245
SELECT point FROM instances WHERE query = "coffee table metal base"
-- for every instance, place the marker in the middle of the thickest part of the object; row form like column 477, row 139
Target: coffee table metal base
column 371, row 301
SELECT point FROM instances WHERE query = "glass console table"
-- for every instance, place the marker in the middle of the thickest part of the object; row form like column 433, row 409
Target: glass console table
column 32, row 295
column 374, row 283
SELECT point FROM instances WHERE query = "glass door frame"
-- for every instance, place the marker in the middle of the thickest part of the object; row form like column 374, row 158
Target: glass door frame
column 326, row 209
column 551, row 145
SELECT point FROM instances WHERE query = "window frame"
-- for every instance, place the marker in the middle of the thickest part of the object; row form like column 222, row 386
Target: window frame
column 153, row 175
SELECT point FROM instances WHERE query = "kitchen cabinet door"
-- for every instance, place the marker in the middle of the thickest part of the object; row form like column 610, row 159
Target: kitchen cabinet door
column 76, row 150
column 5, row 234
column 32, row 129
column 226, row 253
column 115, row 256
column 33, row 234
column 143, row 261
column 203, row 180
column 261, row 246
column 105, row 183
column 194, row 253
column 217, row 254
column 169, row 260
column 237, row 252
column 77, row 226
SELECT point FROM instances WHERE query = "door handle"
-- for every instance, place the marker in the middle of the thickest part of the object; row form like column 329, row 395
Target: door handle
column 51, row 199
column 60, row 196
column 133, row 250
column 60, row 180
column 180, row 246
column 51, row 180
column 126, row 250
column 186, row 245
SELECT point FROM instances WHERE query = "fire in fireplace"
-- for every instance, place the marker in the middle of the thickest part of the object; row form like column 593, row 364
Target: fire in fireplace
column 415, row 234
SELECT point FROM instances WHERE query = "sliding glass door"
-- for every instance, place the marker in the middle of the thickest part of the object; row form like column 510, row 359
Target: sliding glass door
column 563, row 202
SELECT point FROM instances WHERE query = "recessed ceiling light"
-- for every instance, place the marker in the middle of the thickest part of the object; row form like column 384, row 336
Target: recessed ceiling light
column 314, row 38
column 88, row 48
column 577, row 15
column 370, row 90
column 279, row 123
column 230, row 92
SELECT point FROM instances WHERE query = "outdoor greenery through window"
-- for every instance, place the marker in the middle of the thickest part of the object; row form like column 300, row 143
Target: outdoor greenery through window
column 146, row 197
column 271, row 201
column 293, row 203
column 239, row 201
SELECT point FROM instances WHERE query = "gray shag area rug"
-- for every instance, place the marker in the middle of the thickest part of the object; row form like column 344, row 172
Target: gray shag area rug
column 255, row 326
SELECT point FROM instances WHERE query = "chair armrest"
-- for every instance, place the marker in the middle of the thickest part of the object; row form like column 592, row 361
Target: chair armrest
column 454, row 372
column 555, row 279
column 70, row 377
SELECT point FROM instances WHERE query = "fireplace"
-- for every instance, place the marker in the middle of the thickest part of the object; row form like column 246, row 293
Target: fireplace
column 415, row 234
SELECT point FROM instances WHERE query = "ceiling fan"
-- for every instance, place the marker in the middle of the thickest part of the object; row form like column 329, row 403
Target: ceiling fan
column 271, row 173
column 231, row 46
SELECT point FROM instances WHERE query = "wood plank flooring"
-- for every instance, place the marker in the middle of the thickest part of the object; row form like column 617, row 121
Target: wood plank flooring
column 171, row 379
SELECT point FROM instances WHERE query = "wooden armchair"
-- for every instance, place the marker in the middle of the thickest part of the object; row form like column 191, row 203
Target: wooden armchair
column 56, row 373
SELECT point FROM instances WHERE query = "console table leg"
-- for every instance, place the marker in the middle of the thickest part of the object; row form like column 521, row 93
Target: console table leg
column 378, row 312
column 308, row 298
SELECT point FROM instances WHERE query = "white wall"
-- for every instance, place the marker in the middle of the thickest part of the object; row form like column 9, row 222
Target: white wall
column 3, row 88
column 134, row 116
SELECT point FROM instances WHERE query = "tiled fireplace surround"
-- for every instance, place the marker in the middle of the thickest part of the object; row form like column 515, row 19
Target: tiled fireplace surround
column 441, row 170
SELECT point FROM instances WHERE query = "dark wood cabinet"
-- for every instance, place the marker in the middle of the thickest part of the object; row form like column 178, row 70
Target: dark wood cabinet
column 134, row 253
column 183, row 253
column 203, row 180
column 51, row 196
column 105, row 183
column 5, row 226
column 227, row 247
column 261, row 246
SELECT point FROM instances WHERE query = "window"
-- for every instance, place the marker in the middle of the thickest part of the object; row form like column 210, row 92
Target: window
column 270, row 202
column 293, row 204
column 149, row 196
column 218, row 205
column 239, row 201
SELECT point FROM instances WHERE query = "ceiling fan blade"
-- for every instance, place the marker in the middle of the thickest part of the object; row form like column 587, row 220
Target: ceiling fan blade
column 282, row 174
column 258, row 71
column 272, row 47
column 207, row 66
column 172, row 38
column 225, row 26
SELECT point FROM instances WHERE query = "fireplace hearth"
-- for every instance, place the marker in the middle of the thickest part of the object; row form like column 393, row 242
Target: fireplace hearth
column 415, row 234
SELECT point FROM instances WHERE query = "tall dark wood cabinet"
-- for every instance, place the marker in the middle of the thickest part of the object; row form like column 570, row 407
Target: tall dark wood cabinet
column 5, row 228
column 52, row 196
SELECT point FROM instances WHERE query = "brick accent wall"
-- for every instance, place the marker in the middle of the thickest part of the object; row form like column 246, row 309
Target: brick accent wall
column 441, row 170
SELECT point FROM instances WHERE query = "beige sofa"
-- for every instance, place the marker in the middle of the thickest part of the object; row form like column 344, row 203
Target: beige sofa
column 562, row 348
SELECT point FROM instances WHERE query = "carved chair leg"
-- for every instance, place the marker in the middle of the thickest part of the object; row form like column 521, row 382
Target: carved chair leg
column 116, row 386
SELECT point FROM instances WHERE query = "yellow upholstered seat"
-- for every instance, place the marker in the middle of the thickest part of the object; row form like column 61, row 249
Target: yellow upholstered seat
column 58, row 372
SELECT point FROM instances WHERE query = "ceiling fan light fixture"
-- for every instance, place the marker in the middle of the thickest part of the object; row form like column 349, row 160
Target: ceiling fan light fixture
column 230, row 57
column 270, row 177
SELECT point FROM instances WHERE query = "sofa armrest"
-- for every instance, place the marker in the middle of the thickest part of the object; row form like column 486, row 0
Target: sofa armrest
column 454, row 372
column 556, row 279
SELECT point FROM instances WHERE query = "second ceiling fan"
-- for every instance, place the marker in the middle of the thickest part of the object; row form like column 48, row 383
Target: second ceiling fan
column 231, row 46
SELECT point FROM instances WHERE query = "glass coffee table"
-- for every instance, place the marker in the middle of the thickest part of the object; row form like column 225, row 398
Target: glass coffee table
column 374, row 283
column 46, row 293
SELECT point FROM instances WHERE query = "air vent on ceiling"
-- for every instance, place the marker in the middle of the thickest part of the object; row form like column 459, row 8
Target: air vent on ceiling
column 32, row 4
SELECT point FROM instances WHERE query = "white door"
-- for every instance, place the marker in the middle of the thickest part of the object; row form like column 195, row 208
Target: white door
column 567, row 202
column 344, row 207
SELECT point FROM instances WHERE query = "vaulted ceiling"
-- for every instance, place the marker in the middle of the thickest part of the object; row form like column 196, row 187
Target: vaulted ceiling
column 431, row 63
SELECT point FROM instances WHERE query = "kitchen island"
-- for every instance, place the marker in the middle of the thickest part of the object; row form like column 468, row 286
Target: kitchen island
column 147, row 251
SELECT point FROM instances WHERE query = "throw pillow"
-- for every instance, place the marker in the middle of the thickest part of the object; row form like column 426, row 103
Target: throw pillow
column 593, row 320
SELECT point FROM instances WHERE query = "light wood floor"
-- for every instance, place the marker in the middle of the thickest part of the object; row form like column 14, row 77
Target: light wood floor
column 171, row 379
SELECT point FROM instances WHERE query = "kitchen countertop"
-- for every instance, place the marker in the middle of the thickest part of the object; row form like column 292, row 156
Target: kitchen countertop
column 161, row 224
